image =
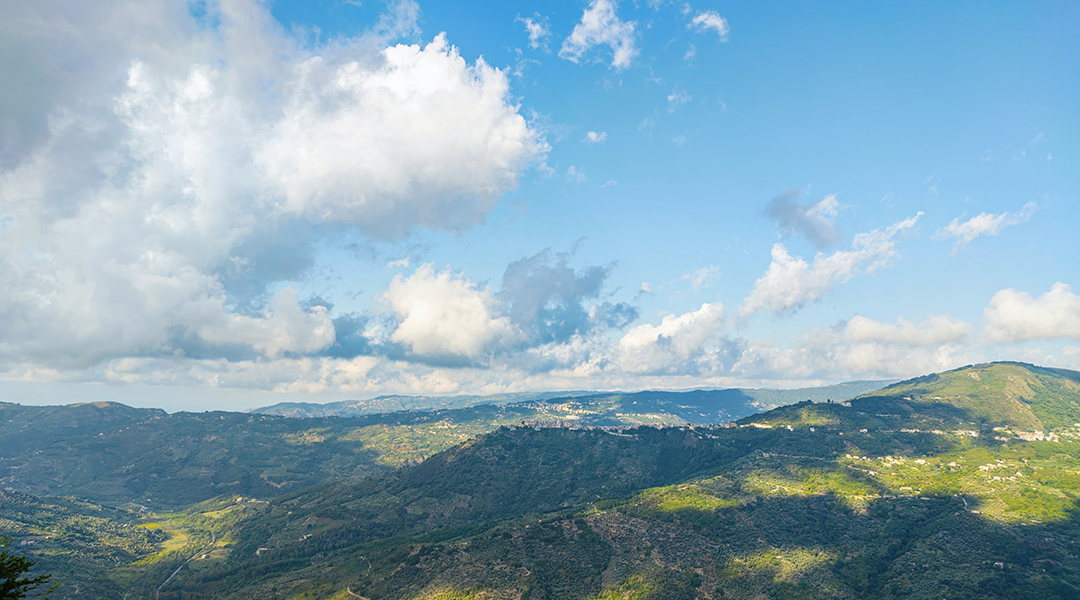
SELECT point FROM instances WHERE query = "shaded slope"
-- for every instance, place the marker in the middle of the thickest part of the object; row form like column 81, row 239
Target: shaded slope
column 113, row 453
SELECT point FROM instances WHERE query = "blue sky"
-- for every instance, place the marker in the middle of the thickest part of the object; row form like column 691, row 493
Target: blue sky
column 252, row 201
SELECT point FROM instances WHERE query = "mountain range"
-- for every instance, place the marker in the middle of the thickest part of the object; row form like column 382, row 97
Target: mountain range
column 961, row 484
column 725, row 403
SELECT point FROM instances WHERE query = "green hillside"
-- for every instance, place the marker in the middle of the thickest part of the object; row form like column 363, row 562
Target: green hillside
column 745, row 512
column 114, row 453
column 932, row 488
column 78, row 542
column 1007, row 394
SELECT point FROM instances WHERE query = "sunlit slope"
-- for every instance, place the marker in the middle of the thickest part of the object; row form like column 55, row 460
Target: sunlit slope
column 1015, row 398
column 1007, row 394
column 77, row 542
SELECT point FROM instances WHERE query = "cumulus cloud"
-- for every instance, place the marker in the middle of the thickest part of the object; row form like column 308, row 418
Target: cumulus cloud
column 443, row 315
column 575, row 174
column 863, row 348
column 711, row 20
column 425, row 139
column 791, row 283
column 1014, row 316
column 161, row 173
column 444, row 318
column 676, row 344
column 680, row 351
column 601, row 26
column 982, row 224
column 538, row 31
column 816, row 221
column 286, row 328
column 932, row 331
column 547, row 297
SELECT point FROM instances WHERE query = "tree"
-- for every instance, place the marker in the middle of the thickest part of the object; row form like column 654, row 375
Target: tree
column 13, row 585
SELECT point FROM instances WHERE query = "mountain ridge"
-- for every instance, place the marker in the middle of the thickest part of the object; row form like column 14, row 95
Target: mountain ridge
column 766, row 397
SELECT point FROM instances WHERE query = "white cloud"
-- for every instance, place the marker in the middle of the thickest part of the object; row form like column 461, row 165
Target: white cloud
column 982, row 224
column 158, row 178
column 288, row 328
column 538, row 31
column 677, row 98
column 595, row 138
column 711, row 19
column 425, row 139
column 601, row 26
column 445, row 315
column 932, row 331
column 674, row 344
column 1014, row 316
column 864, row 348
column 885, row 359
column 575, row 174
column 703, row 277
column 815, row 221
column 791, row 283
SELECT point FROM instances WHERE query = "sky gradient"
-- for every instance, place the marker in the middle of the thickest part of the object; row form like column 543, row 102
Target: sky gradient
column 227, row 204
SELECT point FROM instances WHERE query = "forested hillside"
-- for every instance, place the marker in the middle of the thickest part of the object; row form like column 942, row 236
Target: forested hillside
column 913, row 492
column 114, row 453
